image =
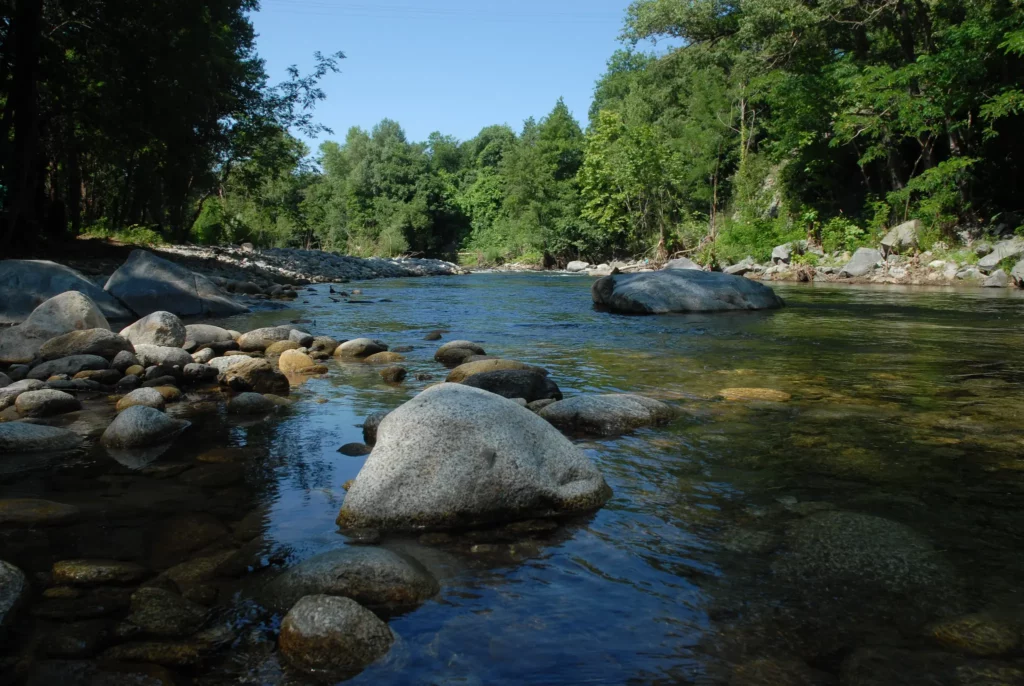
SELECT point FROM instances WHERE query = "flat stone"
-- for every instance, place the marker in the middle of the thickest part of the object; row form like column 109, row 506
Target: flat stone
column 606, row 415
column 198, row 335
column 747, row 394
column 31, row 512
column 261, row 339
column 464, row 371
column 101, row 342
column 22, row 437
column 330, row 635
column 527, row 384
column 97, row 572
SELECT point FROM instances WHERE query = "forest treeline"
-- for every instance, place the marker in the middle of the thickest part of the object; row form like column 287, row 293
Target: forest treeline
column 763, row 121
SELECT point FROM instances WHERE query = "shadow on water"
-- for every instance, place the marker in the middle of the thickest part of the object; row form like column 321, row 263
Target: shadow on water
column 816, row 540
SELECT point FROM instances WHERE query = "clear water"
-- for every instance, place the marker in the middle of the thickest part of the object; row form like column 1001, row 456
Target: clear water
column 905, row 405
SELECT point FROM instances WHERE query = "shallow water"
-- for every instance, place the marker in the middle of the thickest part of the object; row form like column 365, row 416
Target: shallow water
column 905, row 405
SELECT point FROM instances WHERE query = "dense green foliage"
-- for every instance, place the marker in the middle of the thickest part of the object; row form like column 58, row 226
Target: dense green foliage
column 763, row 121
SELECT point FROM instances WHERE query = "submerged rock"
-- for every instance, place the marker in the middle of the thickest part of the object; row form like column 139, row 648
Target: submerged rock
column 20, row 437
column 26, row 284
column 330, row 635
column 765, row 394
column 160, row 612
column 606, row 415
column 394, row 374
column 682, row 290
column 384, row 358
column 468, row 369
column 527, row 384
column 251, row 404
column 35, row 512
column 61, row 314
column 140, row 427
column 459, row 456
column 101, row 342
column 97, row 573
column 375, row 577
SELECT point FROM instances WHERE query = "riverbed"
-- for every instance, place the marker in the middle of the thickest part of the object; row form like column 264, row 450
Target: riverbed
column 901, row 440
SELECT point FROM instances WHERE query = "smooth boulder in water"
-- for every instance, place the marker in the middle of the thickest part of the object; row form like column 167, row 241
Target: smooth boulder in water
column 528, row 384
column 360, row 348
column 682, row 290
column 140, row 427
column 261, row 339
column 147, row 283
column 468, row 369
column 71, row 311
column 21, row 437
column 606, row 415
column 254, row 375
column 46, row 403
column 375, row 577
column 326, row 635
column 458, row 456
column 454, row 353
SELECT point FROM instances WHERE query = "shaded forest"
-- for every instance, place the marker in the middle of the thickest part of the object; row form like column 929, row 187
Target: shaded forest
column 767, row 120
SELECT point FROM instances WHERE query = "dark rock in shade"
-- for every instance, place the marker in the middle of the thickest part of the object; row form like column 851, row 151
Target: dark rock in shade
column 17, row 372
column 30, row 512
column 355, row 449
column 333, row 636
column 97, row 573
column 883, row 666
column 682, row 291
column 324, row 344
column 370, row 425
column 301, row 337
column 454, row 353
column 433, row 336
column 128, row 383
column 146, row 283
column 5, row 380
column 66, row 312
column 606, row 415
column 140, row 427
column 92, row 673
column 251, row 404
column 255, row 375
column 76, row 640
column 101, row 342
column 67, row 365
column 484, row 364
column 160, row 612
column 26, row 284
column 458, row 456
column 165, row 653
column 13, row 592
column 157, row 328
column 393, row 374
column 107, row 377
column 375, row 577
column 123, row 360
column 198, row 373
column 21, row 437
column 516, row 383
column 46, row 403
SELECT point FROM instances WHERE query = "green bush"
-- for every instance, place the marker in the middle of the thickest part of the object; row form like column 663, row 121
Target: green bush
column 839, row 234
column 130, row 235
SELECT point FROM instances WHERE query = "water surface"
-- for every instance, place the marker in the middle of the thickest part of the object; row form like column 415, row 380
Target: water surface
column 905, row 406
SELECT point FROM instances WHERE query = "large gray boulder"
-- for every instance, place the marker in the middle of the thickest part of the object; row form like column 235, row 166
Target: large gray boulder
column 157, row 328
column 528, row 384
column 62, row 313
column 27, row 284
column 677, row 290
column 147, row 283
column 375, row 577
column 606, row 415
column 1003, row 250
column 576, row 266
column 141, row 427
column 21, row 437
column 68, row 365
column 901, row 238
column 783, row 254
column 101, row 342
column 333, row 637
column 459, row 456
column 998, row 279
column 863, row 262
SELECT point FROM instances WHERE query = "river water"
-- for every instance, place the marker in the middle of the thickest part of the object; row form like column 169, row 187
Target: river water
column 749, row 542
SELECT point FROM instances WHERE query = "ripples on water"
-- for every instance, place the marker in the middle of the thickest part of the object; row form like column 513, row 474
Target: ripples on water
column 905, row 405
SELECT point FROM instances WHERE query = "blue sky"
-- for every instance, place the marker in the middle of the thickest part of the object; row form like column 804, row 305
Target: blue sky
column 453, row 66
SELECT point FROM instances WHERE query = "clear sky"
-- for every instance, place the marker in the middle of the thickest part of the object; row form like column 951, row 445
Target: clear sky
column 453, row 66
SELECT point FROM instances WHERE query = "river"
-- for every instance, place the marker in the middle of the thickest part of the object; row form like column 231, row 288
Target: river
column 811, row 537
